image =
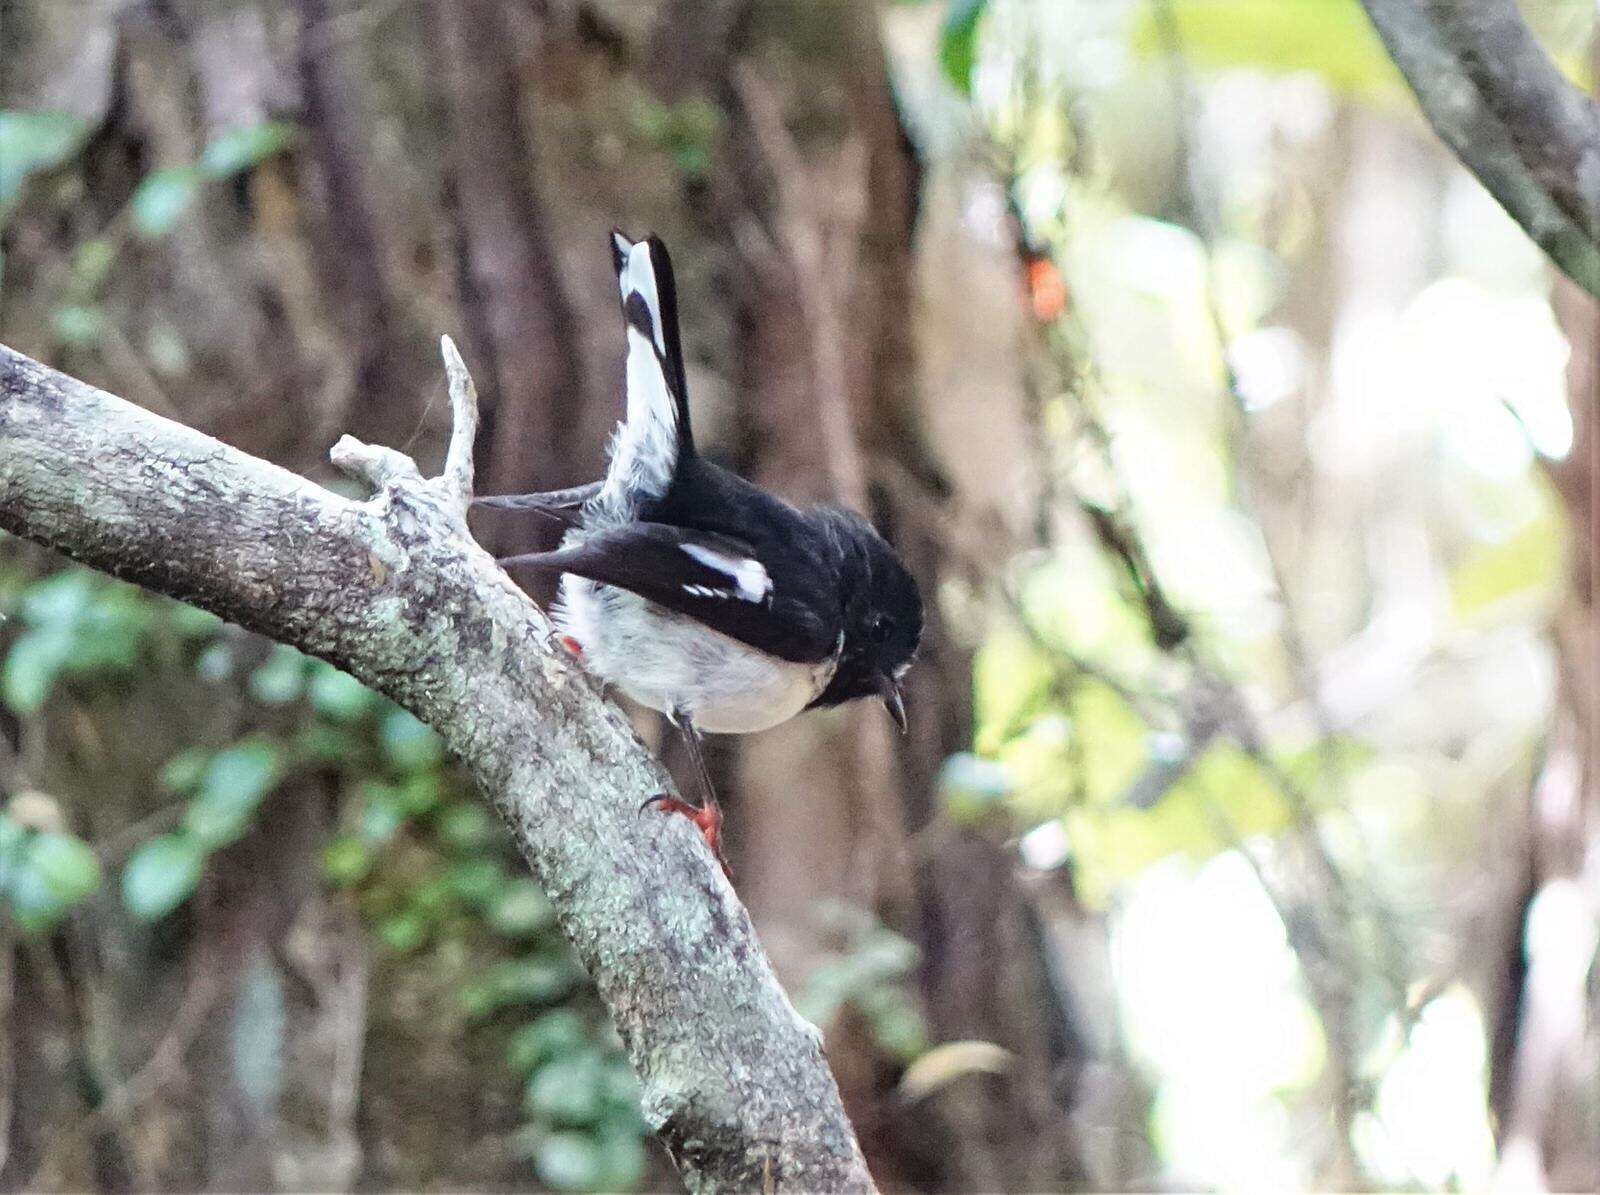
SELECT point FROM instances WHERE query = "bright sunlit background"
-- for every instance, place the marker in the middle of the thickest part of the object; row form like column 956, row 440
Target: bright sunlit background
column 1358, row 524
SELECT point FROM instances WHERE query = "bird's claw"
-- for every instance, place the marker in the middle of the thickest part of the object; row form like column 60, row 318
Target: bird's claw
column 707, row 819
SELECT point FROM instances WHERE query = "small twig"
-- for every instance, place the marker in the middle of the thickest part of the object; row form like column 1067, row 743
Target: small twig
column 381, row 467
column 164, row 1064
column 1301, row 664
column 372, row 463
column 457, row 476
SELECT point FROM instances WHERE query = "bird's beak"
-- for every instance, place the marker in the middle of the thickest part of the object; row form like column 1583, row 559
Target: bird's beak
column 893, row 701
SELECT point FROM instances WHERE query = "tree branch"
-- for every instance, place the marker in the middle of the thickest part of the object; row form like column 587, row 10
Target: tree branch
column 1505, row 110
column 395, row 591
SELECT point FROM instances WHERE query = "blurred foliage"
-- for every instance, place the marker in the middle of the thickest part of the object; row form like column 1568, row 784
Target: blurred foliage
column 421, row 857
column 1332, row 38
column 164, row 196
column 33, row 142
column 866, row 974
column 958, row 42
column 686, row 130
column 1210, row 687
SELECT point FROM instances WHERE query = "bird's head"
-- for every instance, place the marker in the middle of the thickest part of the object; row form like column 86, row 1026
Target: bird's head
column 882, row 618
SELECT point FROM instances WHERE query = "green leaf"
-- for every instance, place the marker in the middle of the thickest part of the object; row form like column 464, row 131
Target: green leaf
column 623, row 1157
column 231, row 788
column 969, row 787
column 91, row 262
column 382, row 813
column 192, row 622
column 281, row 679
column 1508, row 575
column 897, row 1028
column 161, row 875
column 1011, row 682
column 35, row 141
column 518, row 981
column 403, row 932
column 241, row 148
column 476, row 881
column 324, row 744
column 619, row 1086
column 181, row 774
column 555, row 1033
column 433, row 899
column 569, row 1090
column 250, row 768
column 76, row 326
column 346, row 861
column 32, row 665
column 53, row 874
column 108, row 636
column 958, row 42
column 215, row 663
column 569, row 1162
column 521, row 910
column 12, row 835
column 1224, row 796
column 338, row 696
column 61, row 599
column 162, row 198
column 420, row 793
column 13, row 838
column 409, row 744
column 66, row 864
column 466, row 827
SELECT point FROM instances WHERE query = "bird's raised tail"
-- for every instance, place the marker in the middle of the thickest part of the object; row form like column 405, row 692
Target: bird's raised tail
column 654, row 438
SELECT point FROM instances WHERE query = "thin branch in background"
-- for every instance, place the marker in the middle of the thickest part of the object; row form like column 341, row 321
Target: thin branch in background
column 8, row 1058
column 1215, row 706
column 1504, row 108
column 819, row 237
column 1184, row 103
column 161, row 1068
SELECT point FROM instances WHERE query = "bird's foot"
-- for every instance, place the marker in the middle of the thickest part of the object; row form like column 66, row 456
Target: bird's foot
column 558, row 641
column 707, row 819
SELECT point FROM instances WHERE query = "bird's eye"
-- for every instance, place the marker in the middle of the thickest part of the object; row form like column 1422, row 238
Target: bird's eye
column 879, row 630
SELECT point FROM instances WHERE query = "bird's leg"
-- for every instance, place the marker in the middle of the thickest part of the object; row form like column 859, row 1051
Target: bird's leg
column 707, row 817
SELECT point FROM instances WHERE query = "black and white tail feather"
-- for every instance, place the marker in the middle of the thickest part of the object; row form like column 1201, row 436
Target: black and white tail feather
column 696, row 592
column 654, row 438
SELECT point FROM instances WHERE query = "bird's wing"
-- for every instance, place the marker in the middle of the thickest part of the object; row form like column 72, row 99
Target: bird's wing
column 562, row 505
column 714, row 579
column 654, row 438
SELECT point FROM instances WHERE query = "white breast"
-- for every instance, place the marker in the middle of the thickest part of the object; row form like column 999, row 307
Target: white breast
column 676, row 665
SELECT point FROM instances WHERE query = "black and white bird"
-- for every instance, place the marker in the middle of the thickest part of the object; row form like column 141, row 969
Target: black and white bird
column 699, row 594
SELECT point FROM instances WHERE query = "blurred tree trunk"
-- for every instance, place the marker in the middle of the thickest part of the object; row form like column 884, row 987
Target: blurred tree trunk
column 813, row 222
column 522, row 326
column 1546, row 1104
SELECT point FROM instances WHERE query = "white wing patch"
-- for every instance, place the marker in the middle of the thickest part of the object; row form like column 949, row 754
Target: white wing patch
column 750, row 579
